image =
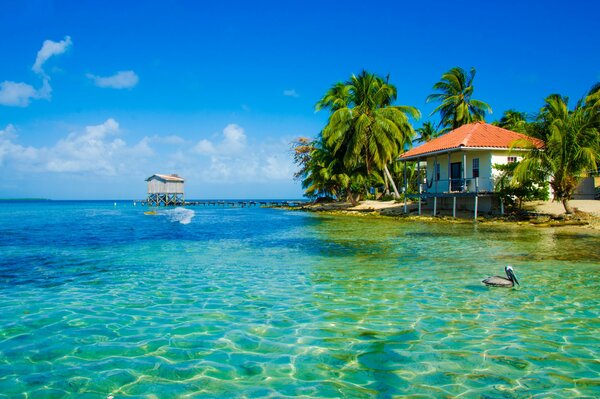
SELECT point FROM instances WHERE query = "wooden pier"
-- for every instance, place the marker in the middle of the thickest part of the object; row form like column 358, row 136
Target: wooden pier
column 230, row 203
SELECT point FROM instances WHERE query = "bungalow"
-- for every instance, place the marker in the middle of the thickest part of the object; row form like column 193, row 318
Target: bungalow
column 165, row 190
column 460, row 165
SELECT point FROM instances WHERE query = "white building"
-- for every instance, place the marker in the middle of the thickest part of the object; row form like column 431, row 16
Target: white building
column 460, row 164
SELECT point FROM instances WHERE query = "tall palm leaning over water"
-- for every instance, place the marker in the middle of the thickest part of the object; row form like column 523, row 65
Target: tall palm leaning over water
column 457, row 106
column 572, row 145
column 364, row 126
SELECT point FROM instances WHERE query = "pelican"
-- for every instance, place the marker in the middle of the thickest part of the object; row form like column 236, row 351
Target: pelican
column 498, row 281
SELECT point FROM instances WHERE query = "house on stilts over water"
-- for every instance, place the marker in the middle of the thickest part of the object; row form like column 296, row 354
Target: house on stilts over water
column 456, row 170
column 165, row 190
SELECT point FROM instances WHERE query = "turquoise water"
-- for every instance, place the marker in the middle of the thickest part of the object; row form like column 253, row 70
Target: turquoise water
column 98, row 300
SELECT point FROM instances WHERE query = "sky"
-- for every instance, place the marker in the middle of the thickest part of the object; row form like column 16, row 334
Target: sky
column 95, row 96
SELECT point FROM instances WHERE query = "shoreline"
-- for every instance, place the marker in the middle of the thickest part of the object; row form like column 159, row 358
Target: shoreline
column 533, row 215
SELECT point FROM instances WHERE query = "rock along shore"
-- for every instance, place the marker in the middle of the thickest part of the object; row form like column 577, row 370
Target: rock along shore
column 536, row 214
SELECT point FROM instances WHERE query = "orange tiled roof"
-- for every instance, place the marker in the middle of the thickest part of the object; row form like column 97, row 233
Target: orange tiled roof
column 472, row 135
column 173, row 178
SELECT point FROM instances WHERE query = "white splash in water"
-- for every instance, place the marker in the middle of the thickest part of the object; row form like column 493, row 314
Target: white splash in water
column 181, row 215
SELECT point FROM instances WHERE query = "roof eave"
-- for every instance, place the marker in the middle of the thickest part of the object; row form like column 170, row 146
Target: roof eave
column 455, row 149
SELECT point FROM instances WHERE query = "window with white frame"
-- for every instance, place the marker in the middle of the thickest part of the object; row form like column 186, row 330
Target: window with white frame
column 512, row 159
column 475, row 167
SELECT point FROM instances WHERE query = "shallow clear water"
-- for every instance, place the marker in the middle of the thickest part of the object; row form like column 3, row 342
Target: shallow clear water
column 97, row 300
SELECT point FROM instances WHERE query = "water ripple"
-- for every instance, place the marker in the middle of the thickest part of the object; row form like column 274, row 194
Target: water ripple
column 263, row 303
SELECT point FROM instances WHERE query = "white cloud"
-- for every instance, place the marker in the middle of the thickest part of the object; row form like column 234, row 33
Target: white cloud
column 204, row 147
column 235, row 138
column 233, row 141
column 9, row 149
column 93, row 151
column 120, row 80
column 232, row 159
column 277, row 167
column 9, row 132
column 49, row 49
column 290, row 93
column 18, row 94
column 101, row 150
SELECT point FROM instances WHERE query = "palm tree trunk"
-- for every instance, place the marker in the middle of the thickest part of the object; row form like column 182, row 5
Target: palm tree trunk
column 350, row 198
column 387, row 185
column 567, row 206
column 389, row 176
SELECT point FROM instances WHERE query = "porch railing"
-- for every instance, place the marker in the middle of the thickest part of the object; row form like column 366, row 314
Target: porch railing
column 466, row 185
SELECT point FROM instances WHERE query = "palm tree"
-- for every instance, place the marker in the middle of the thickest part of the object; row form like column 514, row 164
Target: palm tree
column 572, row 146
column 457, row 108
column 427, row 132
column 323, row 174
column 513, row 120
column 335, row 98
column 364, row 127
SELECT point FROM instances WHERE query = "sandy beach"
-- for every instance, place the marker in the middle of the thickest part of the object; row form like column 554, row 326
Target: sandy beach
column 537, row 213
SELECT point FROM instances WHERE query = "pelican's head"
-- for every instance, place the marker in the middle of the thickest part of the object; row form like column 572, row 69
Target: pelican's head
column 511, row 274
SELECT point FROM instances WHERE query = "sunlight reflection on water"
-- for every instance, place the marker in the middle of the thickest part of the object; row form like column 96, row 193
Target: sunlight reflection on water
column 259, row 303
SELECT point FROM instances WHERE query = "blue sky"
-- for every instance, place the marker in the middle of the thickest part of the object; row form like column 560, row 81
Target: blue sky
column 96, row 96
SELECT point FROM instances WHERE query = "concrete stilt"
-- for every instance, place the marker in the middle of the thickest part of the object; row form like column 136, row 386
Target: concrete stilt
column 453, row 207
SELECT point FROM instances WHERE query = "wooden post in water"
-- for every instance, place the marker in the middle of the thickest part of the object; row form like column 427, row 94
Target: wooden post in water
column 476, row 197
column 435, row 176
column 419, row 183
column 464, row 172
column 434, row 205
column 454, row 206
column 418, row 173
column 419, row 199
column 405, row 188
column 449, row 176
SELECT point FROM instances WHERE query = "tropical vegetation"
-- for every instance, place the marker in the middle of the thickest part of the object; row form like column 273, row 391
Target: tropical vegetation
column 513, row 193
column 513, row 120
column 572, row 144
column 427, row 132
column 364, row 135
column 357, row 151
column 458, row 107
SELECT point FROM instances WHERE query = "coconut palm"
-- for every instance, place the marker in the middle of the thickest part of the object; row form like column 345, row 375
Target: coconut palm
column 572, row 146
column 427, row 132
column 364, row 127
column 513, row 120
column 457, row 106
column 335, row 98
column 324, row 174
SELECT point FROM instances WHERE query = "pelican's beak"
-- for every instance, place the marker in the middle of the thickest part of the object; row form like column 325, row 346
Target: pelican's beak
column 512, row 275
